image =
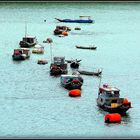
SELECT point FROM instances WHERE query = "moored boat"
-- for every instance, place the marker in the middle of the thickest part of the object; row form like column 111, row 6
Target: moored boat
column 39, row 49
column 92, row 73
column 21, row 54
column 81, row 20
column 58, row 66
column 84, row 47
column 109, row 100
column 71, row 81
column 28, row 41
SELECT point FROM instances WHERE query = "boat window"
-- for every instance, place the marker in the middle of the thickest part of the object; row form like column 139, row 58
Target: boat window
column 109, row 94
column 116, row 93
column 114, row 101
column 107, row 100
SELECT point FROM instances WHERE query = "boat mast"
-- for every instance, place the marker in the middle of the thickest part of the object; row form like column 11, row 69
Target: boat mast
column 100, row 81
column 51, row 51
column 25, row 28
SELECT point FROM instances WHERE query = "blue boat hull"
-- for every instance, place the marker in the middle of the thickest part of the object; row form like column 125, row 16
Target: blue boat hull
column 76, row 21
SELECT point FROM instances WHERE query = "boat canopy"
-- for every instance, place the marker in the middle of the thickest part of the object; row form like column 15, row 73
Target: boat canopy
column 38, row 46
column 69, row 75
column 85, row 17
column 29, row 37
column 108, row 88
column 59, row 60
column 20, row 49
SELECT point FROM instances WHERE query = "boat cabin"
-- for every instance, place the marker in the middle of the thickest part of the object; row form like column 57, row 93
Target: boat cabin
column 109, row 91
column 30, row 39
column 83, row 17
column 109, row 95
column 21, row 51
column 59, row 60
column 109, row 100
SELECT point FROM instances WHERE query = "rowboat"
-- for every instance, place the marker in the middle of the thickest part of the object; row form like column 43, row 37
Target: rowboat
column 97, row 73
column 83, row 47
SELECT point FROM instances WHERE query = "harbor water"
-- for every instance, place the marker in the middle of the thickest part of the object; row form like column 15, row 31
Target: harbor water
column 33, row 103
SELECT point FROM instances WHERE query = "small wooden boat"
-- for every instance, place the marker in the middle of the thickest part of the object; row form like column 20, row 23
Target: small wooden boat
column 39, row 49
column 109, row 100
column 83, row 47
column 97, row 73
column 81, row 20
column 71, row 81
column 21, row 54
column 28, row 41
column 58, row 66
column 77, row 28
column 42, row 61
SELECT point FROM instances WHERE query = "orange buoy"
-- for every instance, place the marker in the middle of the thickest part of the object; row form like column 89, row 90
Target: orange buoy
column 125, row 101
column 75, row 93
column 112, row 118
column 65, row 33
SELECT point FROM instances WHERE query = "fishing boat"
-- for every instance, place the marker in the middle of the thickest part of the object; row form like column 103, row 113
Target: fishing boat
column 58, row 66
column 82, row 19
column 84, row 47
column 71, row 81
column 21, row 54
column 28, row 41
column 92, row 73
column 39, row 49
column 109, row 100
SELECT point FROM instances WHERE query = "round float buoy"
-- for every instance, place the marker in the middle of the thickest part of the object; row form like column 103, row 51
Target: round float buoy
column 75, row 93
column 65, row 33
column 112, row 118
column 125, row 101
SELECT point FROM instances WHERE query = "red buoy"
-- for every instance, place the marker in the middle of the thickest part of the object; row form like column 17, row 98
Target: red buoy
column 75, row 93
column 112, row 118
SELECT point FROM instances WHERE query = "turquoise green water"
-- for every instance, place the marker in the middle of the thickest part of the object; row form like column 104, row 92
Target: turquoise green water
column 33, row 104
